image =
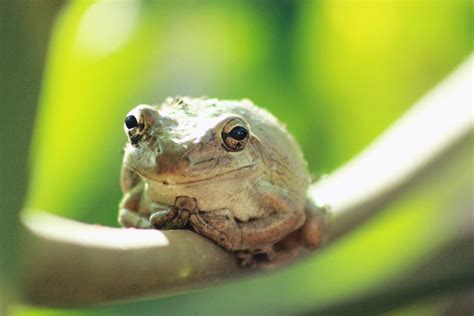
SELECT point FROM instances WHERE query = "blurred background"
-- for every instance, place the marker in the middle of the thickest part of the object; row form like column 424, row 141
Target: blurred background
column 336, row 72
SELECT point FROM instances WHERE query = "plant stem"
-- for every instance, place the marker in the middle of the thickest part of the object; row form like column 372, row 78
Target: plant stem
column 426, row 134
column 69, row 263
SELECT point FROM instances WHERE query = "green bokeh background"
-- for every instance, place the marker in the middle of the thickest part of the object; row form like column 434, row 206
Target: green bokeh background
column 336, row 72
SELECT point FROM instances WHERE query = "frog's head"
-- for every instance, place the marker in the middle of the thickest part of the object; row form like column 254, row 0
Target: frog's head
column 187, row 141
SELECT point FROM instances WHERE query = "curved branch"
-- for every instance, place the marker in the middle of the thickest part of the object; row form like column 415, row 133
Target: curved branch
column 425, row 135
column 68, row 263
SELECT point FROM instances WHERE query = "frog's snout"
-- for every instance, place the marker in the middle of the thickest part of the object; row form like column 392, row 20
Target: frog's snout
column 171, row 163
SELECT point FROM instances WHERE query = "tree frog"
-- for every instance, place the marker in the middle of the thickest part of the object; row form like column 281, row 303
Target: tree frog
column 228, row 170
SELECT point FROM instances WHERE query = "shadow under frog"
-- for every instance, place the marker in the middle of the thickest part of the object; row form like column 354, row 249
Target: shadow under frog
column 226, row 169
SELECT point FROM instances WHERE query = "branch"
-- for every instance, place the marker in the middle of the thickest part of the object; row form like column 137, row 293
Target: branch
column 68, row 263
column 424, row 136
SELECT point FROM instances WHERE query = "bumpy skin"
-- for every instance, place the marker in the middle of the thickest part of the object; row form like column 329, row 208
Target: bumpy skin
column 178, row 172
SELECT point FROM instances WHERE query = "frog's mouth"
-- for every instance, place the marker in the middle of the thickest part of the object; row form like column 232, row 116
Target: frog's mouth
column 210, row 178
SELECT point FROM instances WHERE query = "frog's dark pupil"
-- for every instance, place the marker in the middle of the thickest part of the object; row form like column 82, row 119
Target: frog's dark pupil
column 238, row 133
column 131, row 121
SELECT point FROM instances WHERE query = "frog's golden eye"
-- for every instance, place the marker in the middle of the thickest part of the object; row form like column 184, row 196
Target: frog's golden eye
column 235, row 135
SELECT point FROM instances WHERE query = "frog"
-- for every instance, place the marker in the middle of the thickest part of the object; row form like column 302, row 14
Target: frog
column 226, row 169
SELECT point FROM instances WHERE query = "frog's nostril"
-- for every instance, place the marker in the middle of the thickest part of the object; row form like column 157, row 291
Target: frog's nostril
column 134, row 138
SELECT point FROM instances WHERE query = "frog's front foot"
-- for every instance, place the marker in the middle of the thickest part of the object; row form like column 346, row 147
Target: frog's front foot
column 175, row 217
column 129, row 218
column 221, row 228
column 172, row 218
column 225, row 231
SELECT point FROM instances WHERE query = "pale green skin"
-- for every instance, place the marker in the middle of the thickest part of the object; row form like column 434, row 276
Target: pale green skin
column 246, row 200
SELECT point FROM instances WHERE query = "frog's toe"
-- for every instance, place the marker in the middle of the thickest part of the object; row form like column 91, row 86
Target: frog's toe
column 159, row 218
column 186, row 203
column 256, row 257
column 143, row 223
column 246, row 259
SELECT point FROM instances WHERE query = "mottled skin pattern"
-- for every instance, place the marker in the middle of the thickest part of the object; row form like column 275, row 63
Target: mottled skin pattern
column 181, row 170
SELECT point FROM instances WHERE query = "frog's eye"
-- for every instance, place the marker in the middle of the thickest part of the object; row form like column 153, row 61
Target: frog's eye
column 134, row 126
column 235, row 135
column 131, row 121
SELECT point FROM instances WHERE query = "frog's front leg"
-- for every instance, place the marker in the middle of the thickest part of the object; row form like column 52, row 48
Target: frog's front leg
column 255, row 234
column 128, row 210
